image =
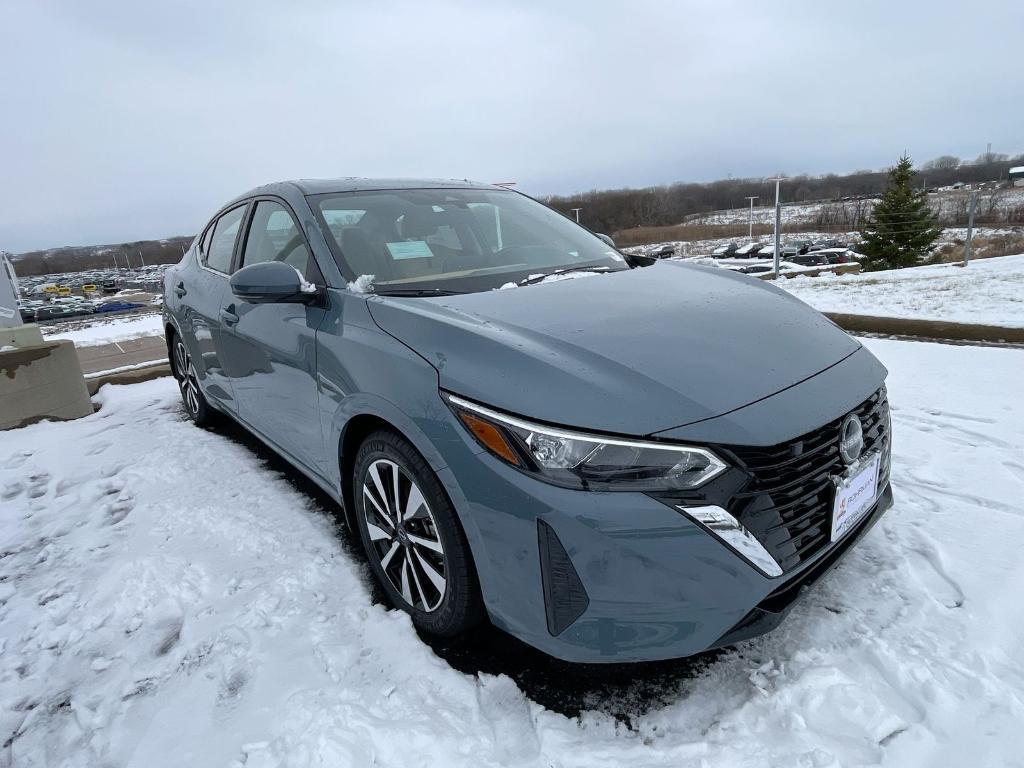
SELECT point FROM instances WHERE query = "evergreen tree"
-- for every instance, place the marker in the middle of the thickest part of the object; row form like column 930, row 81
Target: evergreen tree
column 901, row 228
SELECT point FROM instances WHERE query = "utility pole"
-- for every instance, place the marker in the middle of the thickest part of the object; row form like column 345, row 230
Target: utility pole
column 577, row 212
column 778, row 227
column 142, row 259
column 970, row 227
column 750, row 231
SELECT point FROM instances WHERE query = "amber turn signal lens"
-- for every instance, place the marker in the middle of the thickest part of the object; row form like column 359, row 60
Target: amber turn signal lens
column 490, row 436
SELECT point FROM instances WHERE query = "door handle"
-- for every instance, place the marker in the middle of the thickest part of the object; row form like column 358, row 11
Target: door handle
column 229, row 317
column 179, row 290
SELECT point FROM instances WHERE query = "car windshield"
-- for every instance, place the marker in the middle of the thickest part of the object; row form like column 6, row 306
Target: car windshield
column 454, row 240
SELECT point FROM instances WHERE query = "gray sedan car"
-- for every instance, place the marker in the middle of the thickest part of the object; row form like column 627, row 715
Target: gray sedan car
column 609, row 458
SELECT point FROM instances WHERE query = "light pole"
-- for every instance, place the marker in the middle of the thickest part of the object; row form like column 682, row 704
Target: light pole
column 970, row 226
column 750, row 231
column 577, row 212
column 778, row 226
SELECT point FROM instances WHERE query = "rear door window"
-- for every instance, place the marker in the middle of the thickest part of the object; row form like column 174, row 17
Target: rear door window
column 204, row 244
column 275, row 236
column 222, row 243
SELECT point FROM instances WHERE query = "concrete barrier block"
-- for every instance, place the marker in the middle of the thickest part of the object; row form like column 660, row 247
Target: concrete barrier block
column 41, row 381
column 20, row 335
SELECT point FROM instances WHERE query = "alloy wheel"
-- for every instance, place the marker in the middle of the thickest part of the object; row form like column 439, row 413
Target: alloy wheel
column 187, row 379
column 404, row 535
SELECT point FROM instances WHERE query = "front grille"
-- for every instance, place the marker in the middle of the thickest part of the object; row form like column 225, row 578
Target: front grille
column 787, row 501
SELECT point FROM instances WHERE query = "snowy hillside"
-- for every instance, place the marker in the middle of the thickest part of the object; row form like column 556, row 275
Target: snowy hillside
column 945, row 205
column 988, row 291
column 166, row 599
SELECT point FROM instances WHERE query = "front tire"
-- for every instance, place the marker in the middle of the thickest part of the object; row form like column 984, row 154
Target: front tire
column 196, row 406
column 412, row 537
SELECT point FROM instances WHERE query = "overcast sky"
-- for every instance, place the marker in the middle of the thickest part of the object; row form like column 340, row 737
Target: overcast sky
column 129, row 120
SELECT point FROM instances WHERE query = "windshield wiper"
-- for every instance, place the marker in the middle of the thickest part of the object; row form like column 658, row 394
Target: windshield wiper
column 541, row 278
column 416, row 292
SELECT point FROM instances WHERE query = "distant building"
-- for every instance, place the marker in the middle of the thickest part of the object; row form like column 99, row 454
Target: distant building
column 1016, row 176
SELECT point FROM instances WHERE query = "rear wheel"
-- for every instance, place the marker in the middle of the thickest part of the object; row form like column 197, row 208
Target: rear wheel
column 188, row 383
column 412, row 537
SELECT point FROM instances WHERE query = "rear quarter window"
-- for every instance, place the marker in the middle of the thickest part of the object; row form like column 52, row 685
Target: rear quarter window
column 222, row 241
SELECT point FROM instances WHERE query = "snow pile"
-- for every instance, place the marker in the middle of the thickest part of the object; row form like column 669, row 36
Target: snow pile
column 540, row 278
column 988, row 291
column 167, row 600
column 304, row 285
column 362, row 284
column 105, row 330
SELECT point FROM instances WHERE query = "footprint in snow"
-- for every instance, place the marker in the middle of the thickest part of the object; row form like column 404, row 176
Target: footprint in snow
column 926, row 564
column 1017, row 470
column 232, row 686
column 110, row 470
column 15, row 460
column 169, row 633
column 106, row 488
column 118, row 510
column 12, row 490
column 38, row 484
column 98, row 448
column 65, row 485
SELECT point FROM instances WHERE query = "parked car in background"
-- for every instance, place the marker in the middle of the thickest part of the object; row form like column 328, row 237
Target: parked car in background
column 747, row 251
column 117, row 306
column 830, row 243
column 725, row 251
column 838, row 255
column 809, row 259
column 53, row 312
column 664, row 252
column 643, row 488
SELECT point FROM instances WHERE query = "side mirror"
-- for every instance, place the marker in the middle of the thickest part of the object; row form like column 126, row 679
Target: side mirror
column 272, row 282
column 637, row 260
column 607, row 239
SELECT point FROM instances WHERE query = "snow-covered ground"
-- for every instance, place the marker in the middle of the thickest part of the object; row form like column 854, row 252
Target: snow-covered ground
column 166, row 599
column 92, row 330
column 988, row 291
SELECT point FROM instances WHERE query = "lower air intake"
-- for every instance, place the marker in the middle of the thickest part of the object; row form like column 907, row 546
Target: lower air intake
column 565, row 600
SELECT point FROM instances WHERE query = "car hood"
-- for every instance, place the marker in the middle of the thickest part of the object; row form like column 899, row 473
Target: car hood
column 632, row 352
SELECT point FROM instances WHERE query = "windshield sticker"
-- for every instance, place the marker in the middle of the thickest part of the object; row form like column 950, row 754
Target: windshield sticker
column 410, row 249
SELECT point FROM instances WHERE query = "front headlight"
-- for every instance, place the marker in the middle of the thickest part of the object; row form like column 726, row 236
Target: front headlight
column 589, row 462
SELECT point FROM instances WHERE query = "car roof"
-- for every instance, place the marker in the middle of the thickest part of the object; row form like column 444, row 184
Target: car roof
column 360, row 184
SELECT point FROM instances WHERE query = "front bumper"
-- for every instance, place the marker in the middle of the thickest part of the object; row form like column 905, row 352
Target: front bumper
column 657, row 585
column 770, row 612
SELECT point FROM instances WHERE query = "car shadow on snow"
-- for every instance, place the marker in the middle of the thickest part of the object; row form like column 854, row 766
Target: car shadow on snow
column 623, row 691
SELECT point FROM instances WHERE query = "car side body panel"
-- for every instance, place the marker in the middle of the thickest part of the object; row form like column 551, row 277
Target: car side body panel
column 197, row 316
column 270, row 354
